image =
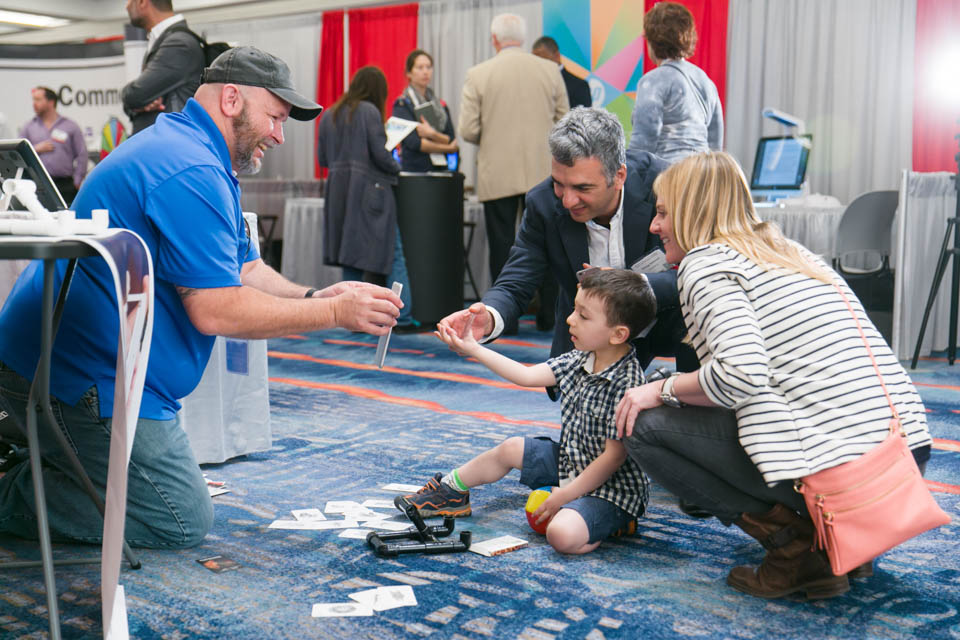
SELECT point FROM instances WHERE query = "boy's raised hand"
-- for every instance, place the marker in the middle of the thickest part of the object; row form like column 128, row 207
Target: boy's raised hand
column 466, row 345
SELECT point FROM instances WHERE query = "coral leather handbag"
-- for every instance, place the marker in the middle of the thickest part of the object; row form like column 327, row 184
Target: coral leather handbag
column 867, row 506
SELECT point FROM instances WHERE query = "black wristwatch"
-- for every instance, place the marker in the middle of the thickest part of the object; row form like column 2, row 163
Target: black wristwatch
column 666, row 393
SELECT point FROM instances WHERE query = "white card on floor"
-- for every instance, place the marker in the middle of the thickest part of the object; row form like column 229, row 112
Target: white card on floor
column 339, row 506
column 356, row 534
column 403, row 488
column 362, row 513
column 340, row 610
column 367, row 597
column 375, row 503
column 387, row 597
column 387, row 525
column 385, row 338
column 308, row 515
column 313, row 525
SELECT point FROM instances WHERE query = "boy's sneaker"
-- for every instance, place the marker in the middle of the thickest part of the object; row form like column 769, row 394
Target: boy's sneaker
column 438, row 499
column 628, row 530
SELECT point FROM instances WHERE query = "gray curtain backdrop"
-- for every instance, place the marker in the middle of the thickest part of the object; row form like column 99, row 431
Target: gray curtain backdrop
column 296, row 41
column 457, row 34
column 843, row 66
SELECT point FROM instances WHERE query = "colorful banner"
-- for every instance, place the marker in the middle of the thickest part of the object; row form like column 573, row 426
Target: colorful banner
column 601, row 42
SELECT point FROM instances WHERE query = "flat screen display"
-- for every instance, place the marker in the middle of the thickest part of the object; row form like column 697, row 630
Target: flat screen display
column 781, row 162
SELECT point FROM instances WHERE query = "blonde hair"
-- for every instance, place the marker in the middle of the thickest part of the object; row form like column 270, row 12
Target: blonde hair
column 707, row 200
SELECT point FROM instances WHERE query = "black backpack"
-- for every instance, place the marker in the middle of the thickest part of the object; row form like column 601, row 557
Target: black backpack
column 210, row 49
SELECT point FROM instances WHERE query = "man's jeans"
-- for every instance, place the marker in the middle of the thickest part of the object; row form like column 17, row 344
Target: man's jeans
column 168, row 505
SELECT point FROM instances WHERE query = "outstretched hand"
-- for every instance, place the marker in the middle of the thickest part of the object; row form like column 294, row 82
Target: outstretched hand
column 360, row 306
column 476, row 319
column 465, row 345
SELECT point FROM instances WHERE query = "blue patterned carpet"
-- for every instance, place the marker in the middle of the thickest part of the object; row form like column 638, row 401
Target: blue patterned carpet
column 342, row 429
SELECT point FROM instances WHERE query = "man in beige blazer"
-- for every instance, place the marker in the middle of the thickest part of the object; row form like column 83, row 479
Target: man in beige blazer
column 509, row 105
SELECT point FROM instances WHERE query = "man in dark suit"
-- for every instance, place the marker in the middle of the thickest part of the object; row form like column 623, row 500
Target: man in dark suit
column 595, row 209
column 578, row 91
column 171, row 68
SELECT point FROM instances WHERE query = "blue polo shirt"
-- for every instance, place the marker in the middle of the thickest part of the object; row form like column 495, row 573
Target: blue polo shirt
column 174, row 186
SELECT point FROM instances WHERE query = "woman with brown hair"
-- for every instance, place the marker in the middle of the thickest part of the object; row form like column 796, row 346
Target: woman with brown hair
column 786, row 386
column 360, row 212
column 677, row 110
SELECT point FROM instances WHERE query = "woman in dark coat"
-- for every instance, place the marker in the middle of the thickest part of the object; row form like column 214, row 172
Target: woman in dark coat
column 426, row 148
column 360, row 212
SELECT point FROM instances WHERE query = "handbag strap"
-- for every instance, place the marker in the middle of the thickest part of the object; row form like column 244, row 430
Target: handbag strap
column 895, row 422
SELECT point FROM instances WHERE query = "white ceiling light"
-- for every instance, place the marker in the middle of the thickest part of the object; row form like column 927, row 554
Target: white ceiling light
column 31, row 19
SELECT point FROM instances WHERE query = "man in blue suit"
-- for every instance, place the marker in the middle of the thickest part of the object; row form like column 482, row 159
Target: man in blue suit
column 594, row 209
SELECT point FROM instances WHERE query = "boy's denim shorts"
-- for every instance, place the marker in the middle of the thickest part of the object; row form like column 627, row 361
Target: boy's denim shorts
column 541, row 468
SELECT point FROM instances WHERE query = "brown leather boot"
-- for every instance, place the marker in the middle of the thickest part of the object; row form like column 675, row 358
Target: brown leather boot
column 790, row 564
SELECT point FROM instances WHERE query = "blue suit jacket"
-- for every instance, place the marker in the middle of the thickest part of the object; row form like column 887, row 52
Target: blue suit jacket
column 549, row 240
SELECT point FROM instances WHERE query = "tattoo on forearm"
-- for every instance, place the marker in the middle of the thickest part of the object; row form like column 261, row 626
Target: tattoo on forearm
column 185, row 292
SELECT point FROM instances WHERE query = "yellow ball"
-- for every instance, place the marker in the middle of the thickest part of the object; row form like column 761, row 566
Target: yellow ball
column 537, row 498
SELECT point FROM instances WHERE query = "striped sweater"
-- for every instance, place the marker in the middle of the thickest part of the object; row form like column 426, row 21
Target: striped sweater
column 783, row 351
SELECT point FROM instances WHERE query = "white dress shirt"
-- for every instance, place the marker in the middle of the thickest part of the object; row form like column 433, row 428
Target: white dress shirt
column 160, row 27
column 604, row 249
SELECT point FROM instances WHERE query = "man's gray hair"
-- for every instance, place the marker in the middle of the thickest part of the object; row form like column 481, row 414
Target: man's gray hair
column 509, row 28
column 589, row 132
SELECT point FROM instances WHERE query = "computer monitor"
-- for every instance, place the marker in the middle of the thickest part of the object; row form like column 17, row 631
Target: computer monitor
column 20, row 154
column 780, row 166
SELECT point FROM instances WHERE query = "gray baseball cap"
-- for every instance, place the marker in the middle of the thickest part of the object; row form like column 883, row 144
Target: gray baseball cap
column 255, row 68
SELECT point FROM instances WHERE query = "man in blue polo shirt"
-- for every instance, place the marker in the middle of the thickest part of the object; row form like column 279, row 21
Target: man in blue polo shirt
column 175, row 185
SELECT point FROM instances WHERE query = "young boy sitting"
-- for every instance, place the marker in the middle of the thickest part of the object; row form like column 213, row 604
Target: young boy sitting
column 598, row 490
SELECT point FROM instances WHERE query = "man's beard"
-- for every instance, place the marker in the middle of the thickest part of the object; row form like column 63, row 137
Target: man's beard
column 246, row 143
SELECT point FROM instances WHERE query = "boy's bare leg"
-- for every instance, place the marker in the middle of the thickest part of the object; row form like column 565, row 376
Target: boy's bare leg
column 493, row 464
column 568, row 533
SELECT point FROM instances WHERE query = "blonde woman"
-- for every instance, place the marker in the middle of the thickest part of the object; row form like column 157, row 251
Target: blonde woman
column 786, row 387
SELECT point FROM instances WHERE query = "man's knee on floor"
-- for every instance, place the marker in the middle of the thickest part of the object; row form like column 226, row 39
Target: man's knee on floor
column 183, row 523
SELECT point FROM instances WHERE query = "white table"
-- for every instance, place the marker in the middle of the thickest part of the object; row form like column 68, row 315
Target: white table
column 268, row 197
column 815, row 227
column 302, row 257
column 228, row 414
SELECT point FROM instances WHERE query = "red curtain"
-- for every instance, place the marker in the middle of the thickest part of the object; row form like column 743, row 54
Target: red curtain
column 936, row 92
column 330, row 70
column 384, row 36
column 710, row 17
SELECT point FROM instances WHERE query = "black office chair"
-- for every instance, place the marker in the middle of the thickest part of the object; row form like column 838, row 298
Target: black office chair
column 863, row 254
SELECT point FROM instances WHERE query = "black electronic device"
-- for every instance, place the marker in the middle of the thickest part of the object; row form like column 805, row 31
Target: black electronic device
column 17, row 154
column 780, row 166
column 419, row 538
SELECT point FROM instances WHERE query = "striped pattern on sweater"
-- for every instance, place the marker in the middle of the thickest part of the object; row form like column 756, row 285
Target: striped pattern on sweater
column 783, row 351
